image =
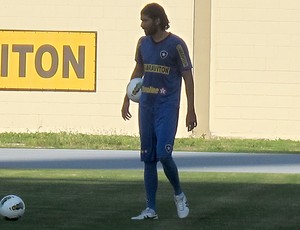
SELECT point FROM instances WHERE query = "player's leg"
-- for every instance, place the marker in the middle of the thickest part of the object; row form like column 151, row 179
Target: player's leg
column 180, row 199
column 151, row 183
column 148, row 155
column 166, row 126
column 171, row 172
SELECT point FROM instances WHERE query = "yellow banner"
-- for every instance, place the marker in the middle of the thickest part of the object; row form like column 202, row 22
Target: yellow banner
column 48, row 60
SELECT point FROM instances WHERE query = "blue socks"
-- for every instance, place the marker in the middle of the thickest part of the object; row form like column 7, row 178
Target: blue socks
column 151, row 179
column 171, row 172
column 151, row 183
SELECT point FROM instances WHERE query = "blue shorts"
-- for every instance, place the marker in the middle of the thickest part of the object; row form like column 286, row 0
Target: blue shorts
column 158, row 126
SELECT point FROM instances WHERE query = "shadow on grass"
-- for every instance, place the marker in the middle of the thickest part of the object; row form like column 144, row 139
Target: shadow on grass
column 106, row 203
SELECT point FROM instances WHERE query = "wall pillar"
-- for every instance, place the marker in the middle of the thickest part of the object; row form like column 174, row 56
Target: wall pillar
column 202, row 45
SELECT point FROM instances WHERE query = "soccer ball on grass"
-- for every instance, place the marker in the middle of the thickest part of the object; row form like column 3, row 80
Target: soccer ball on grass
column 12, row 207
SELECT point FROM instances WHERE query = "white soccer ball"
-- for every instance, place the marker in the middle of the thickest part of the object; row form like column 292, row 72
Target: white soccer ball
column 12, row 207
column 134, row 89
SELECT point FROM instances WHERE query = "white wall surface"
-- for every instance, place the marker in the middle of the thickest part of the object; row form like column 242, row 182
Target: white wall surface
column 255, row 69
column 118, row 28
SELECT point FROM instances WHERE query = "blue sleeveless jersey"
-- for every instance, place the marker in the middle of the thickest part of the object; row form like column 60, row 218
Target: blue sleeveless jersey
column 163, row 64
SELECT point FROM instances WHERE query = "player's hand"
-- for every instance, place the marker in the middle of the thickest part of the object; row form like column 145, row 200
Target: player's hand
column 125, row 109
column 191, row 120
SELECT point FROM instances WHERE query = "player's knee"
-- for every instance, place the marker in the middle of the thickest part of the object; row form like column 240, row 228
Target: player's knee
column 165, row 160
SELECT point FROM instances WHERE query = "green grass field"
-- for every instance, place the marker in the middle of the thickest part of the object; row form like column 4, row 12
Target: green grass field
column 100, row 199
column 84, row 141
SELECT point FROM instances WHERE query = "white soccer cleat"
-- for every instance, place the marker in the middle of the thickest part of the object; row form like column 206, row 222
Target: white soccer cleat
column 182, row 205
column 147, row 214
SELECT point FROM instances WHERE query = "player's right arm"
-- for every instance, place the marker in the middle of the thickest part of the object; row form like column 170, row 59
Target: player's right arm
column 137, row 72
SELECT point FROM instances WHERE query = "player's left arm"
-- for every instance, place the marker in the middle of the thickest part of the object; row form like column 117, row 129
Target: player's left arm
column 191, row 118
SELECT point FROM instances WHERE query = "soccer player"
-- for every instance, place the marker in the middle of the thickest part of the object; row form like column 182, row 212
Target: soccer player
column 162, row 59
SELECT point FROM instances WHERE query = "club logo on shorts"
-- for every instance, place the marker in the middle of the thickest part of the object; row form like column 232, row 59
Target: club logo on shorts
column 144, row 151
column 163, row 54
column 169, row 148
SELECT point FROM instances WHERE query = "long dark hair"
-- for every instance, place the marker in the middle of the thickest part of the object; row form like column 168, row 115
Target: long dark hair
column 155, row 11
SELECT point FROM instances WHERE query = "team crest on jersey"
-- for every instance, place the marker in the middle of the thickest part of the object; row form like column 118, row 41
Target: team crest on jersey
column 163, row 54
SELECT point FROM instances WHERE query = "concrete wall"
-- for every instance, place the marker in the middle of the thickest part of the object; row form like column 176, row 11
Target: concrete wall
column 255, row 69
column 246, row 57
column 117, row 24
